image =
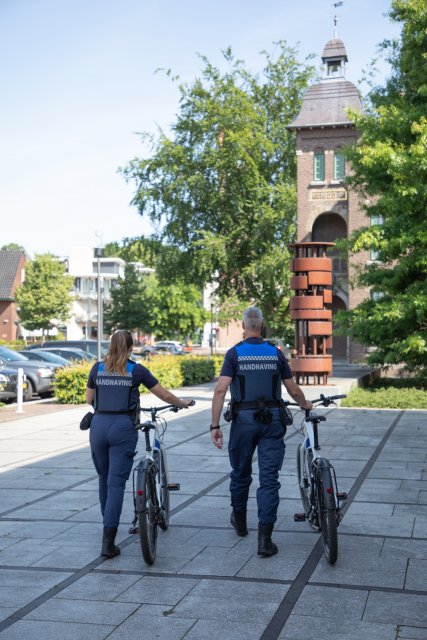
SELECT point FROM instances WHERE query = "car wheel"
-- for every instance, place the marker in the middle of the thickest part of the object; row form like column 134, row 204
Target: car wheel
column 29, row 391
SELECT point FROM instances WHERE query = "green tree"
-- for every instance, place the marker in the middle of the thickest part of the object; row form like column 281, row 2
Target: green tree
column 138, row 249
column 174, row 310
column 44, row 295
column 390, row 172
column 221, row 188
column 12, row 246
column 127, row 309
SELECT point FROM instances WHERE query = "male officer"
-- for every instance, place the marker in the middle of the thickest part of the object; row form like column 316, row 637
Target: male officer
column 255, row 369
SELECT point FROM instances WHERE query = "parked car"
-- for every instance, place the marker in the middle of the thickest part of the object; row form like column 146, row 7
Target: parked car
column 176, row 346
column 162, row 350
column 40, row 374
column 8, row 383
column 69, row 354
column 90, row 346
column 41, row 354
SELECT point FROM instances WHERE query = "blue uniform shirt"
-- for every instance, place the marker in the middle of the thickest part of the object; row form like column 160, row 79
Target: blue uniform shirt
column 122, row 393
column 229, row 366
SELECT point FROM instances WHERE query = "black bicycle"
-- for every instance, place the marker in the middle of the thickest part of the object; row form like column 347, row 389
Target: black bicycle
column 150, row 483
column 317, row 482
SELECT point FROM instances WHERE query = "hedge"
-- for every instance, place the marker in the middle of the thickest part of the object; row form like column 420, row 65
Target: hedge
column 171, row 371
column 389, row 394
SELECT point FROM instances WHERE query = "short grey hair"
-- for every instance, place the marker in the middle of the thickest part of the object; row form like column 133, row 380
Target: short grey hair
column 253, row 319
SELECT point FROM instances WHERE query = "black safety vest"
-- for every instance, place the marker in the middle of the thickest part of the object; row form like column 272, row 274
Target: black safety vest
column 258, row 373
column 114, row 392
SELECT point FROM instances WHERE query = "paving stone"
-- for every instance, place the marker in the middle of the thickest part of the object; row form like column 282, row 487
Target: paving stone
column 25, row 552
column 216, row 562
column 308, row 627
column 377, row 525
column 370, row 509
column 165, row 627
column 342, row 605
column 52, row 631
column 61, row 610
column 228, row 600
column 420, row 527
column 154, row 590
column 416, row 577
column 415, row 549
column 364, row 571
column 98, row 586
column 14, row 596
column 411, row 633
column 210, row 629
column 402, row 609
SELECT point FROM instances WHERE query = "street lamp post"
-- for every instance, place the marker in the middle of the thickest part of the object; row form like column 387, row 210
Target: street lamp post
column 98, row 255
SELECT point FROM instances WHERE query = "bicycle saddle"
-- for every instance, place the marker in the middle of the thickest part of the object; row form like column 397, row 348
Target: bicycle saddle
column 314, row 417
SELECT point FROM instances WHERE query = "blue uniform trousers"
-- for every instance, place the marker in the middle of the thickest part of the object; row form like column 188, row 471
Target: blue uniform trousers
column 245, row 435
column 113, row 441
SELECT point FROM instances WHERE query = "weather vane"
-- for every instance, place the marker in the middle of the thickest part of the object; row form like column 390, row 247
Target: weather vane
column 336, row 4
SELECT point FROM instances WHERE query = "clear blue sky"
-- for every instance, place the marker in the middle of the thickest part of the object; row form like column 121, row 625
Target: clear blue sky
column 78, row 80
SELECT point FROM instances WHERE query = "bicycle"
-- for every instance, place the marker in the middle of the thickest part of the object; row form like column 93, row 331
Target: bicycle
column 317, row 482
column 150, row 484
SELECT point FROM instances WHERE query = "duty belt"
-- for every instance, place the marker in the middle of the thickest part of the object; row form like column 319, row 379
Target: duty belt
column 270, row 404
column 124, row 413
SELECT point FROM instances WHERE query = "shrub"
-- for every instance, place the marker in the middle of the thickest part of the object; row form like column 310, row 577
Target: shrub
column 171, row 371
column 71, row 382
column 167, row 371
column 197, row 369
column 217, row 360
column 389, row 394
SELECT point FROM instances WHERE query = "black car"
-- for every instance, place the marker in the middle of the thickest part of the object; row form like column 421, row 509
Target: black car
column 40, row 375
column 8, row 384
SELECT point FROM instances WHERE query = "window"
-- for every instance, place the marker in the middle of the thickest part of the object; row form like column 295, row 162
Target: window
column 376, row 295
column 319, row 167
column 339, row 166
column 376, row 220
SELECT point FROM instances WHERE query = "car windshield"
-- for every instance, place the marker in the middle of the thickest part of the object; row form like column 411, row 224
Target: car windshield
column 11, row 356
column 49, row 357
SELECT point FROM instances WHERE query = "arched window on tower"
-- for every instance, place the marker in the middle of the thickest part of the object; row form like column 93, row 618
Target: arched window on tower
column 319, row 166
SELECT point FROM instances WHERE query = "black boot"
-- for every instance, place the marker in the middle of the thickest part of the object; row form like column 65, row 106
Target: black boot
column 109, row 549
column 238, row 520
column 265, row 546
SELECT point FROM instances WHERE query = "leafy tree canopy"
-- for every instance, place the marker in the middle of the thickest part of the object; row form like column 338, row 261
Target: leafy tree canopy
column 12, row 246
column 221, row 188
column 45, row 293
column 390, row 172
column 141, row 302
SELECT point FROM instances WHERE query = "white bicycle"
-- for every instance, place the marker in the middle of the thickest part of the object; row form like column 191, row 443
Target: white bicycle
column 150, row 484
column 317, row 482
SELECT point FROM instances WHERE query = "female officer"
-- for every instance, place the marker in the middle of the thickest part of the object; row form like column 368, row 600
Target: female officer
column 113, row 390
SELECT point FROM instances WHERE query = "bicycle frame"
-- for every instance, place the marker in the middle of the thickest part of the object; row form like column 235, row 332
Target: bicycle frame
column 317, row 463
column 153, row 448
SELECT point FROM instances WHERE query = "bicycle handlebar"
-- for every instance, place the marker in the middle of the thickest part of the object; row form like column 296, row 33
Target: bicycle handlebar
column 323, row 400
column 171, row 407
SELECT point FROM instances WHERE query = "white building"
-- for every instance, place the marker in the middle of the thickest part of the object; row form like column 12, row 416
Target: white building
column 83, row 266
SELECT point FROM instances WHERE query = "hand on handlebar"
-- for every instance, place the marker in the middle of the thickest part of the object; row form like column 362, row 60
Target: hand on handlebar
column 187, row 403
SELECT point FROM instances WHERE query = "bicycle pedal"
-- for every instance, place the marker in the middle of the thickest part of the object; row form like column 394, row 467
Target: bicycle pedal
column 299, row 517
column 342, row 495
column 174, row 486
column 133, row 530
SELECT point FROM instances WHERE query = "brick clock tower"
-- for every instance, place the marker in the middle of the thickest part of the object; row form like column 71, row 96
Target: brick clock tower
column 327, row 208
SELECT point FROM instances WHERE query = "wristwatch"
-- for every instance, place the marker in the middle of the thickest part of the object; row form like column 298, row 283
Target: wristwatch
column 211, row 428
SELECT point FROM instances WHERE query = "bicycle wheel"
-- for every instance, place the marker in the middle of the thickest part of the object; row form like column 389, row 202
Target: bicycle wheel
column 327, row 515
column 147, row 513
column 305, row 489
column 164, row 495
